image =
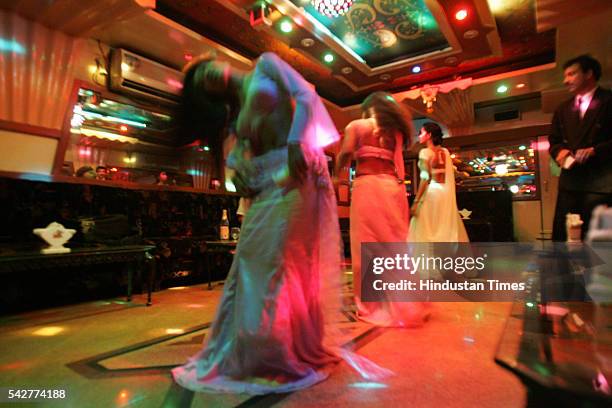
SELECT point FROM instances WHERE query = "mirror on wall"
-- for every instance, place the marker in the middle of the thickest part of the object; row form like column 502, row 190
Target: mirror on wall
column 112, row 140
column 509, row 166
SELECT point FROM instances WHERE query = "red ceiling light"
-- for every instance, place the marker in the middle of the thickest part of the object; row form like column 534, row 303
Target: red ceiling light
column 521, row 85
column 461, row 14
column 123, row 128
column 188, row 57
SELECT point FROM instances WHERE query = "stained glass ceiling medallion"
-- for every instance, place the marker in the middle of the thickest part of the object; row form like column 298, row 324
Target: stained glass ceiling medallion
column 332, row 8
column 380, row 32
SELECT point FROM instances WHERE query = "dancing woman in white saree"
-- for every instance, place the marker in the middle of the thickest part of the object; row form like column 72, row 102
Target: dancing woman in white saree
column 435, row 217
column 269, row 331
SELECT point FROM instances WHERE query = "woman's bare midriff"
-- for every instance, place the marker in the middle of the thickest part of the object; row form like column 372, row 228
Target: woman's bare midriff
column 372, row 165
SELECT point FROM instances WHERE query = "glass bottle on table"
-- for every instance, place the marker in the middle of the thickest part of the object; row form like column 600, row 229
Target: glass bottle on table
column 224, row 229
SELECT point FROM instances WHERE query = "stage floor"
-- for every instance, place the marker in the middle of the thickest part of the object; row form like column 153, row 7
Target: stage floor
column 115, row 354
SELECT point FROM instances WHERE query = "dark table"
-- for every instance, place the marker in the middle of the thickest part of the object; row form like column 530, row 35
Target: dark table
column 561, row 349
column 14, row 259
column 216, row 247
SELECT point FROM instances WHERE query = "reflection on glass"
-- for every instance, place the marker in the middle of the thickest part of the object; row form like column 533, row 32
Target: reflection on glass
column 120, row 142
column 509, row 167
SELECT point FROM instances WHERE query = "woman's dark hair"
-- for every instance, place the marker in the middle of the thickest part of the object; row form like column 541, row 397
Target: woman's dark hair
column 389, row 114
column 203, row 114
column 435, row 131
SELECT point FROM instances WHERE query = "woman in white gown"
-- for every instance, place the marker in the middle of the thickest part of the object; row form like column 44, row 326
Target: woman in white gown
column 435, row 217
column 269, row 331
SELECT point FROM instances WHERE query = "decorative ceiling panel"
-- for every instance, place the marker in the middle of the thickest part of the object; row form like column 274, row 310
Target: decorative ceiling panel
column 488, row 41
column 382, row 32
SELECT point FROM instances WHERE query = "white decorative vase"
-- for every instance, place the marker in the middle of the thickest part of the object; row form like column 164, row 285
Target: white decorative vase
column 56, row 236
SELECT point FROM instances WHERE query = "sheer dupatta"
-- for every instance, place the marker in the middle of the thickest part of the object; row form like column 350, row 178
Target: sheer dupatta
column 313, row 129
column 460, row 233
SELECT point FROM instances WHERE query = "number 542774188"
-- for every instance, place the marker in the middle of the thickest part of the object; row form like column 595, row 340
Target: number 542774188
column 31, row 394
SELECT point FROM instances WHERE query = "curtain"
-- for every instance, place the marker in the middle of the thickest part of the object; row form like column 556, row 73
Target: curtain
column 36, row 72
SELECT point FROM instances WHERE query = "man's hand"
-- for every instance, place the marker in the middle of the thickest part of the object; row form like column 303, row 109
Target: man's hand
column 563, row 153
column 297, row 162
column 582, row 155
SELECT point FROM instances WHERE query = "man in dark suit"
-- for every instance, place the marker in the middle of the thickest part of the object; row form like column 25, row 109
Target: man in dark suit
column 581, row 143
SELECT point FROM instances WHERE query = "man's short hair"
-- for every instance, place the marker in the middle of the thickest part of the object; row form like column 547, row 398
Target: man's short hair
column 587, row 63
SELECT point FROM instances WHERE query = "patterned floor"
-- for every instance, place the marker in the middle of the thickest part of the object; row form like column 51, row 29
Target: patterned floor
column 114, row 354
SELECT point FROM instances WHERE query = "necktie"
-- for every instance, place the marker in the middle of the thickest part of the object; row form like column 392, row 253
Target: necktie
column 579, row 106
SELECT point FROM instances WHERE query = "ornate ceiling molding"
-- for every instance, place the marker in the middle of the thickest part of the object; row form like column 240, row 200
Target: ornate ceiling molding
column 477, row 38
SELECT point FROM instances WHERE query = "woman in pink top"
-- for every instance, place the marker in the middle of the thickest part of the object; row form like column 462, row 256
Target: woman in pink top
column 379, row 207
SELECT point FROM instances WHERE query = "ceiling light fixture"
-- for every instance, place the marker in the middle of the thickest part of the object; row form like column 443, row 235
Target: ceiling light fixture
column 416, row 69
column 502, row 89
column 521, row 85
column 307, row 42
column 496, row 5
column 328, row 57
column 461, row 14
column 286, row 26
column 332, row 8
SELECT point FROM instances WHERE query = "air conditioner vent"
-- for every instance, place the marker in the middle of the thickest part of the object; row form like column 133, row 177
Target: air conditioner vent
column 138, row 76
column 507, row 115
column 149, row 90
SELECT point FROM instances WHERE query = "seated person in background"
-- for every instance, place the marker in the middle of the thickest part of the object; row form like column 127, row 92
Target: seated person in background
column 241, row 149
column 243, row 208
column 68, row 169
column 163, row 179
column 86, row 172
column 101, row 173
